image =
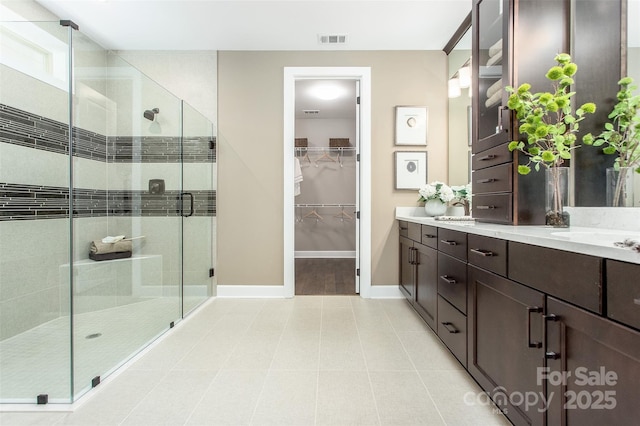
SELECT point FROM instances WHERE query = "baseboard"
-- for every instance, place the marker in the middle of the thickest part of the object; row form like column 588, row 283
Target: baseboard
column 250, row 291
column 385, row 292
column 324, row 254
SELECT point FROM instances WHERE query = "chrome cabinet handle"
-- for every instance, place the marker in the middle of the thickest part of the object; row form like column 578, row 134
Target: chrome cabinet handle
column 485, row 253
column 450, row 328
column 429, row 235
column 487, row 157
column 449, row 242
column 531, row 310
column 485, row 207
column 487, row 180
column 448, row 280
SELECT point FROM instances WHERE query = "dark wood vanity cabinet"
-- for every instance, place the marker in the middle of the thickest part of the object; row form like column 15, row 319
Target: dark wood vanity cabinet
column 552, row 336
column 452, row 291
column 505, row 342
column 418, row 269
column 600, row 363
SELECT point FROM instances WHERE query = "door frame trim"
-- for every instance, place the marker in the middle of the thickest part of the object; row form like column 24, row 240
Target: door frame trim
column 363, row 74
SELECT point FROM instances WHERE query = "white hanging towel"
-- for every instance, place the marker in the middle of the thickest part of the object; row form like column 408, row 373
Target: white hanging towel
column 297, row 176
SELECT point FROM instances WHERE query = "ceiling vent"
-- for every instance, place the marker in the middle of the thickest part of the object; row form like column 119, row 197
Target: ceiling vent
column 332, row 38
column 311, row 111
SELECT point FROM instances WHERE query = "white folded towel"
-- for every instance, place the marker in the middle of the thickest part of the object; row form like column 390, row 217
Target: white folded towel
column 297, row 176
column 494, row 88
column 495, row 48
column 495, row 59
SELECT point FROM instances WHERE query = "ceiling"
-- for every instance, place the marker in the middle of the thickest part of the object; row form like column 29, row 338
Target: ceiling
column 264, row 24
column 269, row 25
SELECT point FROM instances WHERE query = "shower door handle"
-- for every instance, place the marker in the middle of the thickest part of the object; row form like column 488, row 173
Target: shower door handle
column 190, row 204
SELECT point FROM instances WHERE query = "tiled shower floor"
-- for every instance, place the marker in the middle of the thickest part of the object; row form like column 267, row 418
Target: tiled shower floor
column 38, row 362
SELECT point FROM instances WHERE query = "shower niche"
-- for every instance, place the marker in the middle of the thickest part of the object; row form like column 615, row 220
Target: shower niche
column 90, row 151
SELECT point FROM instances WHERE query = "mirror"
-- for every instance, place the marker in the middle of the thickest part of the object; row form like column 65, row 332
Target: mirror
column 458, row 52
column 633, row 67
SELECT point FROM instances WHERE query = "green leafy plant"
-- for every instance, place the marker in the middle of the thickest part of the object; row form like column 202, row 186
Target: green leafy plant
column 547, row 119
column 621, row 136
column 548, row 125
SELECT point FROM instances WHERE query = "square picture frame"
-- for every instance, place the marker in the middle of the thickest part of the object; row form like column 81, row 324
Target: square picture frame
column 411, row 169
column 411, row 125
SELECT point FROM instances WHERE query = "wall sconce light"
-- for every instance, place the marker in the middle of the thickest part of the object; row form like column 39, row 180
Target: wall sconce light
column 454, row 87
column 464, row 74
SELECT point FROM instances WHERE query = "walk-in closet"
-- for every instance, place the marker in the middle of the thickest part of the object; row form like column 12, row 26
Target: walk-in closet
column 326, row 173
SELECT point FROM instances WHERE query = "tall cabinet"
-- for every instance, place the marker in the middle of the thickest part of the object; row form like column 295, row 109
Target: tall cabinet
column 514, row 42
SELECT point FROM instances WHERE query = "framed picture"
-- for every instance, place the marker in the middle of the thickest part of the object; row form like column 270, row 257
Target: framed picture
column 411, row 169
column 411, row 125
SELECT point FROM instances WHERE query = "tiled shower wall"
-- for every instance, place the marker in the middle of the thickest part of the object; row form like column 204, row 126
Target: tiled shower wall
column 110, row 198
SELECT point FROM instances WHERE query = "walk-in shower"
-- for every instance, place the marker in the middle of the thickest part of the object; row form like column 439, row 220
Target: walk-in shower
column 78, row 163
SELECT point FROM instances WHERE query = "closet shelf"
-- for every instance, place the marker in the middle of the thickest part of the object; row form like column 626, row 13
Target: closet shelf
column 325, row 205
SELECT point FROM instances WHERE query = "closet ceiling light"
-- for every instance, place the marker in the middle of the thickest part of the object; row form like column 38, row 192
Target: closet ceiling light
column 311, row 111
column 327, row 92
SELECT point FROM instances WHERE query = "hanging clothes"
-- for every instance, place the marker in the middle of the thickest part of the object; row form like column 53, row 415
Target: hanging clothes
column 297, row 176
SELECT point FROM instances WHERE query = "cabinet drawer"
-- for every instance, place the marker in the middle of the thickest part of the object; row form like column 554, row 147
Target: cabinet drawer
column 493, row 208
column 452, row 329
column 492, row 157
column 493, row 179
column 415, row 231
column 452, row 281
column 573, row 277
column 488, row 253
column 403, row 225
column 453, row 243
column 623, row 292
column 430, row 236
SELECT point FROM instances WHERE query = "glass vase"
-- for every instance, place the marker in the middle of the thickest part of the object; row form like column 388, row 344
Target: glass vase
column 620, row 187
column 557, row 196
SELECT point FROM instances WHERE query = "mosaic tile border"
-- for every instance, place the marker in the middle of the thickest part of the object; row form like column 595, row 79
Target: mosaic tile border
column 23, row 128
column 24, row 202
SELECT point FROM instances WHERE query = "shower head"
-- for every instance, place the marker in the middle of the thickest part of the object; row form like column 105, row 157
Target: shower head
column 150, row 114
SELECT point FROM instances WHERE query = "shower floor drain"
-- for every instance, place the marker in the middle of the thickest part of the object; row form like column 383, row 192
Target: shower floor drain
column 93, row 336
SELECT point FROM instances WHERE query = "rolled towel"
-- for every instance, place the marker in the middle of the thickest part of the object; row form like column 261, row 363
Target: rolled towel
column 495, row 59
column 495, row 48
column 494, row 88
column 493, row 100
column 98, row 247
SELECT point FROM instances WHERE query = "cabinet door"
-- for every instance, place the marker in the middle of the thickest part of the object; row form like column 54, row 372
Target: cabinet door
column 427, row 284
column 491, row 44
column 505, row 350
column 407, row 268
column 600, row 361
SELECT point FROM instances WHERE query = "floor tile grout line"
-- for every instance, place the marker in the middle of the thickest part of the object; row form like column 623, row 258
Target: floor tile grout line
column 264, row 384
column 315, row 418
column 213, row 379
column 415, row 369
column 170, row 370
column 364, row 358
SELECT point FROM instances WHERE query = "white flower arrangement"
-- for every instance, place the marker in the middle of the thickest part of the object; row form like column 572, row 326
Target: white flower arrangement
column 436, row 191
column 462, row 193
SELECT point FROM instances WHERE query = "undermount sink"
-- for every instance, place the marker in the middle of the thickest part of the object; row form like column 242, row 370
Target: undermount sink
column 602, row 237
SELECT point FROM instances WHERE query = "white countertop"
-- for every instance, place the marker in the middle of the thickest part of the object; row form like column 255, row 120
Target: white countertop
column 578, row 239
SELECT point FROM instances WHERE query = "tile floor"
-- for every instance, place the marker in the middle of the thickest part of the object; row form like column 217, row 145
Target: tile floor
column 310, row 360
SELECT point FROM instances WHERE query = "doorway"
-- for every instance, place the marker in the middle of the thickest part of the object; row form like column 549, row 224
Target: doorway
column 327, row 225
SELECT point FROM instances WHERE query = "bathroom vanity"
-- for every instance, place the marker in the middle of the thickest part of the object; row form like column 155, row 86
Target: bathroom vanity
column 546, row 320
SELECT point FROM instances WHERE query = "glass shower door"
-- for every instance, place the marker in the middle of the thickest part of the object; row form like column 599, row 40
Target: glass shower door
column 198, row 226
column 125, row 294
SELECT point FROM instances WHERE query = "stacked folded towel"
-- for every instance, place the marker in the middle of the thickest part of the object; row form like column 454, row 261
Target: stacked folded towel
column 494, row 94
column 297, row 176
